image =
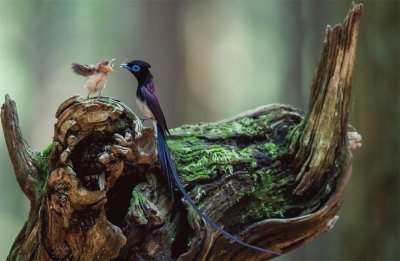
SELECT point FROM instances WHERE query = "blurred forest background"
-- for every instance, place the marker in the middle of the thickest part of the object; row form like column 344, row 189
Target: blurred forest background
column 211, row 60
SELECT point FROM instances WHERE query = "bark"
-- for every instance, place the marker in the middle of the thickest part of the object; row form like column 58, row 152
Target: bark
column 273, row 176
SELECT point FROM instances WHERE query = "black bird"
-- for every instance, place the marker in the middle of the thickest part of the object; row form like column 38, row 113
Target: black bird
column 148, row 103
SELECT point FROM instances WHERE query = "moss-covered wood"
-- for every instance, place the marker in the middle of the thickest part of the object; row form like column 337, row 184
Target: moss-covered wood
column 246, row 159
column 273, row 176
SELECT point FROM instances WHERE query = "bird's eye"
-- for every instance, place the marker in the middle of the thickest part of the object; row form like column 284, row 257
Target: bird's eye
column 136, row 68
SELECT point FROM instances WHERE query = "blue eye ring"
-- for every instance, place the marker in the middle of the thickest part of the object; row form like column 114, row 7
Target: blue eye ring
column 136, row 68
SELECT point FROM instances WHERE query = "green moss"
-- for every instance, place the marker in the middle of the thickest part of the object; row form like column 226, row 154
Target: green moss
column 120, row 124
column 203, row 161
column 253, row 164
column 253, row 176
column 193, row 213
column 190, row 242
column 197, row 159
column 266, row 202
column 265, row 118
column 295, row 130
column 218, row 150
column 42, row 159
column 47, row 150
column 226, row 169
column 107, row 147
column 199, row 192
column 328, row 189
column 245, row 127
column 137, row 200
column 172, row 238
column 272, row 149
column 143, row 210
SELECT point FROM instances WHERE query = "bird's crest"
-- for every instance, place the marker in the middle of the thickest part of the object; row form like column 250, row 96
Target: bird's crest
column 140, row 63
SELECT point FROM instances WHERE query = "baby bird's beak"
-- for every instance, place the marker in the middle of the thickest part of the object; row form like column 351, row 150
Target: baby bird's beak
column 109, row 68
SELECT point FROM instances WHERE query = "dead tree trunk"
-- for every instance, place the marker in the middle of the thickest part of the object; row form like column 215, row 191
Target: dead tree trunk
column 273, row 176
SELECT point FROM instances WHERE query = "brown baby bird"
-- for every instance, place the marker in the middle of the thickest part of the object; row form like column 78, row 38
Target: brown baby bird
column 96, row 75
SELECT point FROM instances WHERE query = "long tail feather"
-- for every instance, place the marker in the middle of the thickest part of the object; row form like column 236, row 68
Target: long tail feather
column 168, row 166
column 162, row 157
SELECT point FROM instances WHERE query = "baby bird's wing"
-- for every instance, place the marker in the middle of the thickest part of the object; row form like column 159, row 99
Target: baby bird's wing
column 83, row 69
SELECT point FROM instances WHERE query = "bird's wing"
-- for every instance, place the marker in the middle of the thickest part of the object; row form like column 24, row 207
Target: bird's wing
column 151, row 100
column 83, row 69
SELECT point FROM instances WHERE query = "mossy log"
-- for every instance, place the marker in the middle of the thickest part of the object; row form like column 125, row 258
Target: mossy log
column 273, row 176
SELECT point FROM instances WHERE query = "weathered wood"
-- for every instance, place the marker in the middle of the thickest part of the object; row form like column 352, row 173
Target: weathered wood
column 23, row 158
column 317, row 148
column 28, row 169
column 273, row 176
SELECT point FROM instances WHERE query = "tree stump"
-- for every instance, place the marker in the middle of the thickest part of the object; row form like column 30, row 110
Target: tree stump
column 273, row 176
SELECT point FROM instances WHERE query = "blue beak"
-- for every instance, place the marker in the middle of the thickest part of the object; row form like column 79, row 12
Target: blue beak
column 124, row 65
